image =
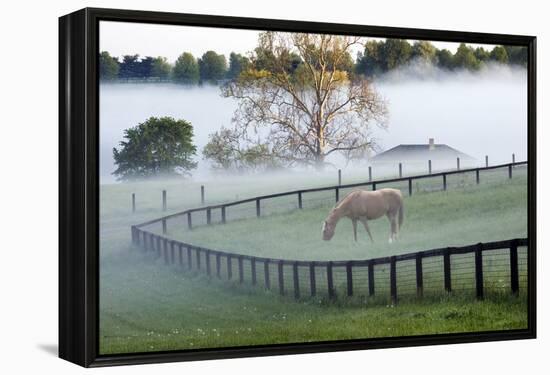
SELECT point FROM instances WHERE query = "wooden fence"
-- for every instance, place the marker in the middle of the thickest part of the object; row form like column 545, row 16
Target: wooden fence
column 447, row 269
column 482, row 263
column 224, row 207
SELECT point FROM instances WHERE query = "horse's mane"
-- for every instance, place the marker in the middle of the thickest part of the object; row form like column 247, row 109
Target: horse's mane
column 344, row 201
column 339, row 205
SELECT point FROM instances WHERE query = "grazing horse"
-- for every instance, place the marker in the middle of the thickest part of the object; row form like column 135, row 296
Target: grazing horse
column 365, row 205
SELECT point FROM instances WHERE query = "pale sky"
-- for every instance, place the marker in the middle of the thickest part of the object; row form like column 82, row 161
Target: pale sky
column 129, row 38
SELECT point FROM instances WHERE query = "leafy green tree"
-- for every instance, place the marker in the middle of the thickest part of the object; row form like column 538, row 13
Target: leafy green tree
column 516, row 55
column 481, row 54
column 108, row 66
column 445, row 59
column 145, row 67
column 161, row 68
column 212, row 66
column 395, row 52
column 129, row 67
column 158, row 147
column 186, row 69
column 424, row 50
column 465, row 58
column 369, row 63
column 237, row 64
column 499, row 55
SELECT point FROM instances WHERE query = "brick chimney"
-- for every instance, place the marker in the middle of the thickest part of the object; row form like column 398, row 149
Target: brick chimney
column 432, row 144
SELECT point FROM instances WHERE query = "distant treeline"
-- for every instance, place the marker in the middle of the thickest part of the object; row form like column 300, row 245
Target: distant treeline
column 377, row 58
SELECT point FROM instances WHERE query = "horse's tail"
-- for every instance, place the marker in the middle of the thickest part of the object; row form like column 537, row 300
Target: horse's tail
column 401, row 207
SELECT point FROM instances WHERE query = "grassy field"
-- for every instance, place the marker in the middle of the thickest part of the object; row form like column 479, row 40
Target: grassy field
column 445, row 218
column 146, row 306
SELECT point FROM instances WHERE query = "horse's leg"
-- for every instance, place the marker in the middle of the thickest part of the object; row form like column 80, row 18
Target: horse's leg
column 364, row 221
column 393, row 236
column 354, row 222
column 393, row 225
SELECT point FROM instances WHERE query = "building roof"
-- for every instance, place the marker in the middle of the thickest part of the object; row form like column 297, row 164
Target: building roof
column 421, row 152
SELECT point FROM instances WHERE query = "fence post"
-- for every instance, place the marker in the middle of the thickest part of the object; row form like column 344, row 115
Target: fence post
column 410, row 187
column 479, row 271
column 267, row 279
column 371, row 278
column 229, row 268
column 370, row 173
column 444, row 181
column 429, row 167
column 312, row 283
column 146, row 241
column 337, row 194
column 164, row 230
column 447, row 270
column 223, row 214
column 207, row 256
column 349, row 278
column 189, row 221
column 400, row 170
column 373, row 186
column 258, row 208
column 281, row 278
column 339, row 177
column 253, row 270
column 300, row 200
column 513, row 158
column 202, row 194
column 208, row 216
column 172, row 252
column 165, row 248
column 133, row 233
column 486, row 161
column 330, row 281
column 164, row 200
column 296, row 280
column 514, row 277
column 133, row 202
column 218, row 264
column 457, row 164
column 477, row 176
column 189, row 258
column 393, row 280
column 198, row 255
column 241, row 271
column 509, row 170
column 419, row 276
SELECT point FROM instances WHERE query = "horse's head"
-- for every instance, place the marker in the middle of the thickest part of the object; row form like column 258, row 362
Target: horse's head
column 328, row 230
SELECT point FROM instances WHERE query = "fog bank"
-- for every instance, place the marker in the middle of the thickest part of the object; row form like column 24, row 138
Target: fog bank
column 481, row 113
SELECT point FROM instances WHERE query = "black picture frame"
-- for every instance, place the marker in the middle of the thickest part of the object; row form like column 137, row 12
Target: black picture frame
column 79, row 184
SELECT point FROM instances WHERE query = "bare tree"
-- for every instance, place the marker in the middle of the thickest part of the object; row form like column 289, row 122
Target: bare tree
column 310, row 110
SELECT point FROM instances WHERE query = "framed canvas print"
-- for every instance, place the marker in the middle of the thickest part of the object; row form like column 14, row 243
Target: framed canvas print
column 244, row 187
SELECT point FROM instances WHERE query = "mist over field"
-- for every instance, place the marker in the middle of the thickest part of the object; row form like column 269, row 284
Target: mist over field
column 479, row 113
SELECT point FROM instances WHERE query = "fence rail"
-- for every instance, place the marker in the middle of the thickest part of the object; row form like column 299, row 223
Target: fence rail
column 298, row 276
column 337, row 188
column 474, row 267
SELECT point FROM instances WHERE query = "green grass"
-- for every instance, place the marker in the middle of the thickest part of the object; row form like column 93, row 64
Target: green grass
column 146, row 306
column 455, row 217
column 150, row 308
